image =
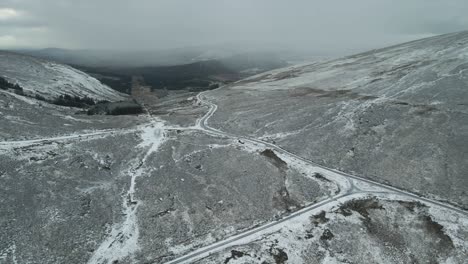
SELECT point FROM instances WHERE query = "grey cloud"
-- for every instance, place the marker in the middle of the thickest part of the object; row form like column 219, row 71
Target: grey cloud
column 316, row 25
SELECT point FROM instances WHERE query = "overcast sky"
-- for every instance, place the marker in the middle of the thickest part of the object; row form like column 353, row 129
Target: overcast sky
column 316, row 25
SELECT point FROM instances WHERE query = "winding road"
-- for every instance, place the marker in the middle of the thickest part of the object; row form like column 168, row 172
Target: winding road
column 352, row 190
column 350, row 186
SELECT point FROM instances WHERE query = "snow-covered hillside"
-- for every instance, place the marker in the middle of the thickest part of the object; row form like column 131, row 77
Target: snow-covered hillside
column 233, row 175
column 50, row 80
column 33, row 111
column 397, row 114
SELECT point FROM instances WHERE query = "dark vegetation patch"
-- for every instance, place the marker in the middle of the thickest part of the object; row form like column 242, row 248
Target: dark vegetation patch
column 319, row 219
column 394, row 234
column 391, row 233
column 411, row 206
column 40, row 97
column 384, row 232
column 116, row 81
column 19, row 92
column 116, row 108
column 400, row 103
column 235, row 255
column 94, row 108
column 279, row 255
column 309, row 234
column 202, row 75
column 6, row 85
column 74, row 101
column 437, row 229
column 360, row 206
column 277, row 161
column 320, row 176
column 326, row 235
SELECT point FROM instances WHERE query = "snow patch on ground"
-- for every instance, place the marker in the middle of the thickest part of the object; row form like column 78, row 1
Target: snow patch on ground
column 122, row 241
column 289, row 236
column 9, row 254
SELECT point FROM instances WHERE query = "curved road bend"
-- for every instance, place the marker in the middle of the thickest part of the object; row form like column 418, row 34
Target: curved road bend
column 202, row 124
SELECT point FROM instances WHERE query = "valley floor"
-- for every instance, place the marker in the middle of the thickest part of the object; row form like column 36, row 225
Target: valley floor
column 170, row 188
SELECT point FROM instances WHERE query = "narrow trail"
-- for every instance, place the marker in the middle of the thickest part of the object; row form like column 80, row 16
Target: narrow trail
column 19, row 143
column 122, row 242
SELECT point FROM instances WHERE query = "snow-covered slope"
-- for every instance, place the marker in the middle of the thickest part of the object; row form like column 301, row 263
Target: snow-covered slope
column 398, row 115
column 27, row 115
column 50, row 79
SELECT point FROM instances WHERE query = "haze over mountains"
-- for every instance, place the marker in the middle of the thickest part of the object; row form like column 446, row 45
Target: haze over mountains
column 359, row 159
column 165, row 57
column 175, row 69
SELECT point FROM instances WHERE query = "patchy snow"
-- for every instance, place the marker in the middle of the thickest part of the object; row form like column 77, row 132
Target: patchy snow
column 9, row 145
column 20, row 97
column 297, row 221
column 152, row 137
column 122, row 241
column 184, row 248
column 310, row 170
column 289, row 236
column 9, row 254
